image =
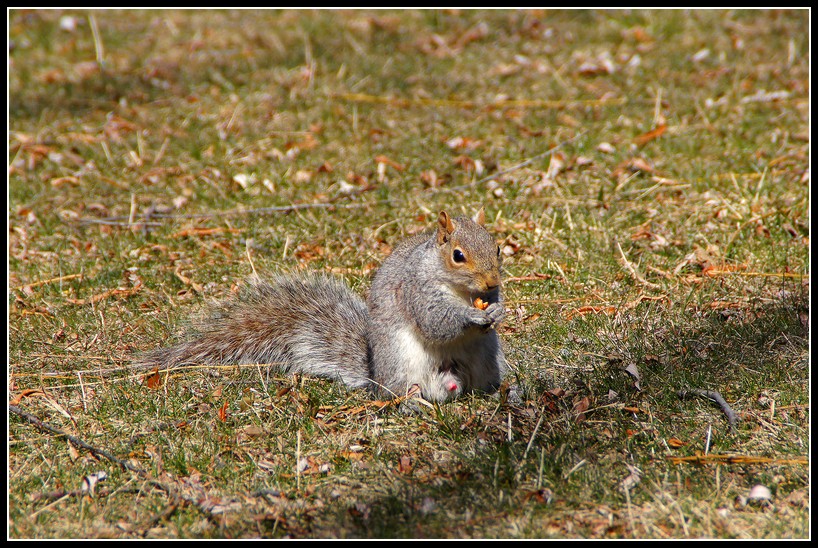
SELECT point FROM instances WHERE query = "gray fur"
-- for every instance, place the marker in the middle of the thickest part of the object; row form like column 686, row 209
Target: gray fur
column 419, row 325
column 414, row 291
column 309, row 324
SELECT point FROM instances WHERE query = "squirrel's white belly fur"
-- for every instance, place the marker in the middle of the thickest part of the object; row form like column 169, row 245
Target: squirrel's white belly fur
column 422, row 366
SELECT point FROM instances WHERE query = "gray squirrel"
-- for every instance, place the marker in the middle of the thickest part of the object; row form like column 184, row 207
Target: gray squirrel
column 429, row 320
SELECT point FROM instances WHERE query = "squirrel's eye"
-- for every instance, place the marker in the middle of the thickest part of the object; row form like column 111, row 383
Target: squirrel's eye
column 458, row 256
column 498, row 250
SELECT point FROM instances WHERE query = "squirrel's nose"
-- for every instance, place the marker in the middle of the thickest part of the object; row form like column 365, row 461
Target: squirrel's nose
column 492, row 283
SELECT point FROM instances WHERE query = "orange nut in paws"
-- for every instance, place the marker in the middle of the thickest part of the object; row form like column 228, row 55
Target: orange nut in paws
column 480, row 303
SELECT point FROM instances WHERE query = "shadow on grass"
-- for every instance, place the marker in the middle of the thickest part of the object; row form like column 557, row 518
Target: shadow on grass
column 738, row 352
column 737, row 347
column 741, row 350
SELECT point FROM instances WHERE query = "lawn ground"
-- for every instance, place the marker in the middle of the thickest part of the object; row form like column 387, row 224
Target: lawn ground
column 646, row 174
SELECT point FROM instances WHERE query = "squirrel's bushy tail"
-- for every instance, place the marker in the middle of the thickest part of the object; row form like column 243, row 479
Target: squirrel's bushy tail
column 309, row 324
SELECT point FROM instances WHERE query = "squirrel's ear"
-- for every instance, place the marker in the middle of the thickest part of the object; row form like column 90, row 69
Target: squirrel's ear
column 445, row 227
column 480, row 217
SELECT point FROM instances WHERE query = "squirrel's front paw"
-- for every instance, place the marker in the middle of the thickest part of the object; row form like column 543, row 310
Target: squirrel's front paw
column 479, row 317
column 489, row 317
column 496, row 312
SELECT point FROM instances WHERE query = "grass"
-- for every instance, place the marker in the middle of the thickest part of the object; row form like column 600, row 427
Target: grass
column 668, row 235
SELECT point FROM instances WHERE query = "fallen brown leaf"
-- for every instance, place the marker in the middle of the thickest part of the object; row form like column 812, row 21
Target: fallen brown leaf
column 590, row 309
column 381, row 159
column 104, row 295
column 649, row 136
column 580, row 407
column 405, row 464
column 25, row 394
column 543, row 496
column 431, row 179
column 153, row 380
column 205, row 231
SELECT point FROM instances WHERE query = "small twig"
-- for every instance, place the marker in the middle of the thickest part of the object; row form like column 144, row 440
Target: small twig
column 151, row 522
column 533, row 434
column 113, row 222
column 219, row 214
column 519, row 473
column 717, row 272
column 50, row 280
column 508, row 103
column 177, row 498
column 104, row 295
column 55, row 496
column 638, row 277
column 744, row 225
column 82, row 389
column 107, row 374
column 98, row 48
column 576, row 467
column 76, row 441
column 515, row 167
column 707, row 441
column 60, row 498
column 132, row 211
column 736, row 459
column 257, row 211
column 524, row 163
column 536, row 277
column 716, row 397
column 250, row 257
column 161, row 151
column 297, row 460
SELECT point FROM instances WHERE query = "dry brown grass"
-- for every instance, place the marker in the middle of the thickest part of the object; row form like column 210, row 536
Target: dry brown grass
column 154, row 157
